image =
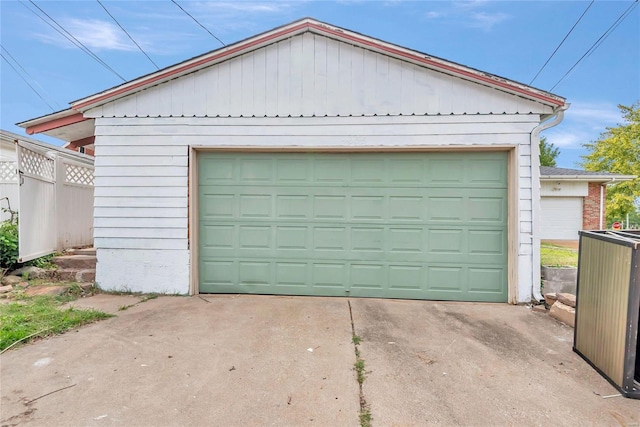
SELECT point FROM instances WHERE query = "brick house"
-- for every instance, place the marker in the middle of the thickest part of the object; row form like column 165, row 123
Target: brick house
column 573, row 200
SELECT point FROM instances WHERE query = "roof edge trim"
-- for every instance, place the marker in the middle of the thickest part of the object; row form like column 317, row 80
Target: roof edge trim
column 54, row 123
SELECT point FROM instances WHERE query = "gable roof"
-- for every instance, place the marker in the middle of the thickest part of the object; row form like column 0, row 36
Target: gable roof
column 548, row 173
column 71, row 117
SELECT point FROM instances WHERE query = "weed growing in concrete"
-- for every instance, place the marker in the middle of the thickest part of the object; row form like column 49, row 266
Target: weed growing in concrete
column 360, row 372
column 365, row 418
column 365, row 413
column 147, row 297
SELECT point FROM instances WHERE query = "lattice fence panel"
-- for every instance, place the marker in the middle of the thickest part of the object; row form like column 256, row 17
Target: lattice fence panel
column 78, row 174
column 8, row 172
column 36, row 164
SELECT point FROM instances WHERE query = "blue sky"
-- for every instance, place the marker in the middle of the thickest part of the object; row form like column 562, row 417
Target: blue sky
column 512, row 39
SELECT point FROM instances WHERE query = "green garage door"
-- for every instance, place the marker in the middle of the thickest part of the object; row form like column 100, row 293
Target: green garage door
column 390, row 225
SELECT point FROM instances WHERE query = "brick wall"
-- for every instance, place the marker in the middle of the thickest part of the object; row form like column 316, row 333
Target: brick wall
column 591, row 207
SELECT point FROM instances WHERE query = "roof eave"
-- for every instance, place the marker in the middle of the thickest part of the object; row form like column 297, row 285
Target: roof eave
column 588, row 178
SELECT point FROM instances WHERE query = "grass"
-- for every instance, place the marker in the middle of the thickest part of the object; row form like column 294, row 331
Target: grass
column 30, row 318
column 558, row 256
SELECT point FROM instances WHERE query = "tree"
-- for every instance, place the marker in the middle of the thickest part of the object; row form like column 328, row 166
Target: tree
column 548, row 153
column 618, row 151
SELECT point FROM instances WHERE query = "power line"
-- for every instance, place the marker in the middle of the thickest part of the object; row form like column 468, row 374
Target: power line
column 598, row 42
column 71, row 38
column 561, row 43
column 196, row 21
column 25, row 80
column 129, row 35
column 85, row 48
column 616, row 24
column 27, row 73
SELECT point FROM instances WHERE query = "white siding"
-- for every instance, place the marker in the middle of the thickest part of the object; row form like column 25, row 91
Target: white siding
column 163, row 271
column 564, row 188
column 310, row 75
column 141, row 198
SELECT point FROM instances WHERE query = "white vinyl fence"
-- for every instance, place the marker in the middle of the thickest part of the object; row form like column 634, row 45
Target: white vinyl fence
column 52, row 190
column 8, row 184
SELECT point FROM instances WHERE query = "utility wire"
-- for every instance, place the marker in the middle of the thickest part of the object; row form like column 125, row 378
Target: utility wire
column 25, row 80
column 196, row 21
column 561, row 43
column 619, row 21
column 129, row 35
column 29, row 75
column 71, row 38
column 598, row 42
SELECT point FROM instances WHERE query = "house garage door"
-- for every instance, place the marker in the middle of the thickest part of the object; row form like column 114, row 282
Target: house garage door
column 560, row 218
column 392, row 225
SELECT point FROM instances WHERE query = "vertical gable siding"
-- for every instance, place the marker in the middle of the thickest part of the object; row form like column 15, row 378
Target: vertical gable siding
column 310, row 75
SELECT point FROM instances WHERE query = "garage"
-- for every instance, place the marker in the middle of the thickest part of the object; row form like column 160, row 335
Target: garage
column 561, row 218
column 315, row 160
column 392, row 225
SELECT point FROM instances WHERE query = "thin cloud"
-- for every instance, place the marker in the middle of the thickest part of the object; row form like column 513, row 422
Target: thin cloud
column 226, row 17
column 470, row 4
column 240, row 8
column 470, row 14
column 434, row 15
column 597, row 113
column 486, row 21
column 583, row 122
column 572, row 137
column 93, row 33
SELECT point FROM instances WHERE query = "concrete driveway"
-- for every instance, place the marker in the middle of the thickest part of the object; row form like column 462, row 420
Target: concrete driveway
column 260, row 360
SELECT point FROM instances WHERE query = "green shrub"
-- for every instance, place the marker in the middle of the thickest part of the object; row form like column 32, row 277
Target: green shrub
column 42, row 262
column 8, row 243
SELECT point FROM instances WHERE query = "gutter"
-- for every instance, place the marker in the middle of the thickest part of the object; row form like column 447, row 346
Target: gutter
column 602, row 178
column 535, row 196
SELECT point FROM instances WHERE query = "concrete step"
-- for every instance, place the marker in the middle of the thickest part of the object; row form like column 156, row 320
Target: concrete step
column 80, row 262
column 82, row 251
column 76, row 275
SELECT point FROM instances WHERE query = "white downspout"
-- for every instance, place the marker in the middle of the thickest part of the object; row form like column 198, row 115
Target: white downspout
column 535, row 197
column 602, row 187
column 602, row 206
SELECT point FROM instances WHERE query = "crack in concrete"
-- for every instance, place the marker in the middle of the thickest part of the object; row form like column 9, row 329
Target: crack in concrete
column 365, row 413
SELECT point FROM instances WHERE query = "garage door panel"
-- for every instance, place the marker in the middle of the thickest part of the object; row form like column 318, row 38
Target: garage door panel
column 446, row 278
column 406, row 277
column 330, row 275
column 406, row 171
column 486, row 172
column 292, row 274
column 486, row 279
column 362, row 225
column 368, row 276
column 486, row 209
column 294, row 206
column 445, row 172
